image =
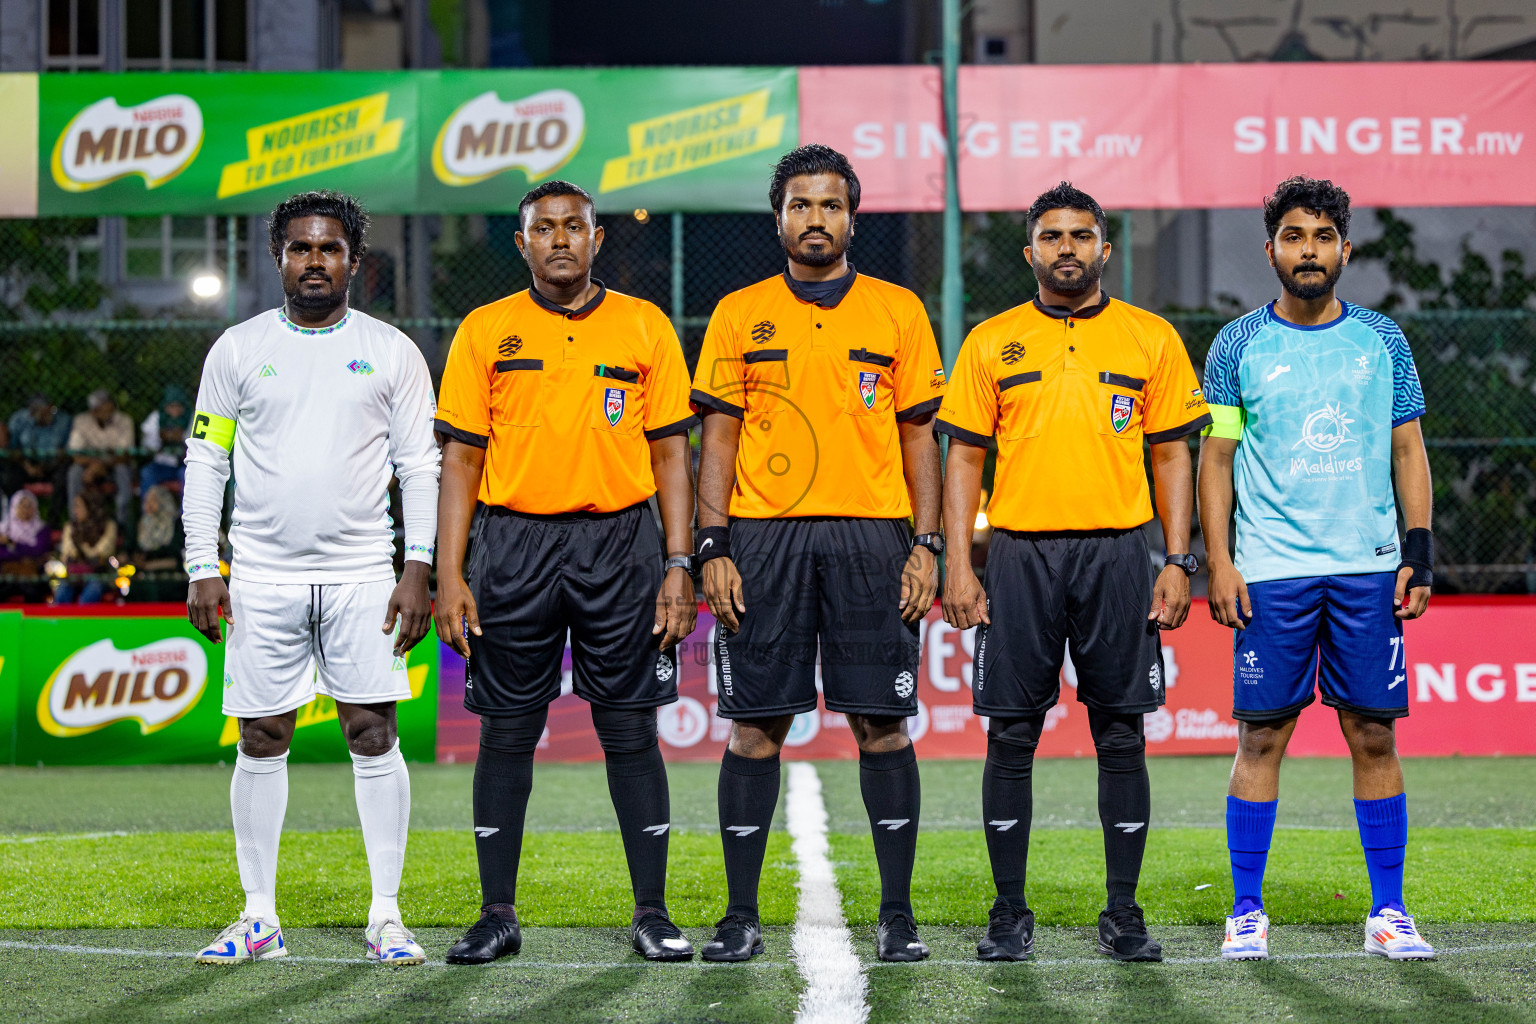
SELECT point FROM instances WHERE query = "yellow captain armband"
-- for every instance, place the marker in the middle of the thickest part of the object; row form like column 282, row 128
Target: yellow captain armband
column 1226, row 421
column 214, row 429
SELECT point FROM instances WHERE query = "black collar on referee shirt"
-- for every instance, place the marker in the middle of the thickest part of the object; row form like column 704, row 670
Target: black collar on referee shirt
column 1064, row 312
column 571, row 314
column 817, row 291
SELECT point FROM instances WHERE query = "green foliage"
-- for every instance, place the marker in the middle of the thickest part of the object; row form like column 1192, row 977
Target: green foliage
column 34, row 266
column 1471, row 285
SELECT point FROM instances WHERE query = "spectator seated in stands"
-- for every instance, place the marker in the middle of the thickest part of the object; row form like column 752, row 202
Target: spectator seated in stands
column 160, row 537
column 35, row 457
column 24, row 537
column 90, row 541
column 100, row 441
column 164, row 432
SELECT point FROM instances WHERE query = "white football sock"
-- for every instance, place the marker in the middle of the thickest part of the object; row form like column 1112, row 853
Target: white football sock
column 383, row 787
column 258, row 799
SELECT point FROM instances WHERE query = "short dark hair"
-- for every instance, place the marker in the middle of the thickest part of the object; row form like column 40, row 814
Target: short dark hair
column 554, row 188
column 812, row 158
column 323, row 203
column 1318, row 196
column 1065, row 197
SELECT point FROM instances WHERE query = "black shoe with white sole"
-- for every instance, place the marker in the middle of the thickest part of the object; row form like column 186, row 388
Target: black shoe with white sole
column 496, row 934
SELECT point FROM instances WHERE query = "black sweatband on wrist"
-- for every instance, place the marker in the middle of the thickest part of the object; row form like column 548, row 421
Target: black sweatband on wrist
column 1419, row 555
column 713, row 542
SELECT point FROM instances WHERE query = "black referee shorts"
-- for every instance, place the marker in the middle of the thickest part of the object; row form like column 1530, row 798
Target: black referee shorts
column 595, row 575
column 1087, row 590
column 832, row 582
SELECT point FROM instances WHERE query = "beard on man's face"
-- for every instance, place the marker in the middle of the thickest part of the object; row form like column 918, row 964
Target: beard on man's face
column 1313, row 287
column 319, row 301
column 1049, row 276
column 830, row 254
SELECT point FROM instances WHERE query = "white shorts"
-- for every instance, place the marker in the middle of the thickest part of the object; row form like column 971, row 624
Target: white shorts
column 292, row 641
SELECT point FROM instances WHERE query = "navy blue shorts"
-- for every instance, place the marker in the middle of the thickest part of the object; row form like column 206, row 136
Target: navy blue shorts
column 1334, row 633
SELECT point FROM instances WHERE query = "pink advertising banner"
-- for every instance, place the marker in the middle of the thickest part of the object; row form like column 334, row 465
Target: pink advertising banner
column 1470, row 674
column 1166, row 136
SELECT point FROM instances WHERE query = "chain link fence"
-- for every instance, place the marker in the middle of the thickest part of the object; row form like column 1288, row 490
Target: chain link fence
column 1478, row 367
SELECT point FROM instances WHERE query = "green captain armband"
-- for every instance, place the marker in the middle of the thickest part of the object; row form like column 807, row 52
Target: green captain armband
column 1226, row 421
column 214, row 429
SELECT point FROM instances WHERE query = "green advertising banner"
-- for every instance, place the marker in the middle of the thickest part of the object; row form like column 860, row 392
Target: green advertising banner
column 691, row 139
column 198, row 143
column 138, row 691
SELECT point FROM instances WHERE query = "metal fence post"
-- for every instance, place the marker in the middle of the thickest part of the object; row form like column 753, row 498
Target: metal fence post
column 1126, row 263
column 953, row 287
column 677, row 273
column 231, row 264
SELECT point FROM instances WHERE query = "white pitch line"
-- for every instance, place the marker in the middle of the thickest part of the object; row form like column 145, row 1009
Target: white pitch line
column 1200, row 961
column 59, row 837
column 835, row 986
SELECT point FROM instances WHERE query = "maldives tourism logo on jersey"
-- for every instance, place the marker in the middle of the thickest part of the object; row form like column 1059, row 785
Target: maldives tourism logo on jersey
column 613, row 405
column 104, row 142
column 489, row 135
column 98, row 685
column 1325, row 432
column 867, row 382
column 1120, row 407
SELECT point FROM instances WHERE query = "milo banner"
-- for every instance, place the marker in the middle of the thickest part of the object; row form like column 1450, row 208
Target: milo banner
column 440, row 142
column 197, row 143
column 107, row 690
column 668, row 139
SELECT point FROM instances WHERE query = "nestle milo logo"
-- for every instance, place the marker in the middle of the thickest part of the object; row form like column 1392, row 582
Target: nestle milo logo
column 97, row 685
column 156, row 140
column 489, row 135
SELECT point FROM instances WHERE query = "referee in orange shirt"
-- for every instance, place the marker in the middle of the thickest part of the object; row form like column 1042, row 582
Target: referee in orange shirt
column 1070, row 384
column 818, row 388
column 563, row 409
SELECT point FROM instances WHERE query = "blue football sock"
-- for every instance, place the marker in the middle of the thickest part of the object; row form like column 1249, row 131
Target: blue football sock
column 1250, row 827
column 1384, row 834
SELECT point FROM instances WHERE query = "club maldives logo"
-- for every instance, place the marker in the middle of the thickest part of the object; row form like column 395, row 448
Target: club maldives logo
column 1120, row 407
column 867, row 382
column 98, row 685
column 613, row 405
column 156, row 140
column 489, row 135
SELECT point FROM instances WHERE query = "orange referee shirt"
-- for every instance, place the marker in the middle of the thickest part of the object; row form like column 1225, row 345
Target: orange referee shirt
column 1070, row 397
column 565, row 401
column 820, row 387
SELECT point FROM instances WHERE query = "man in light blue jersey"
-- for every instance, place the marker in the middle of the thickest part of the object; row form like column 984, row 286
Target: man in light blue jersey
column 1316, row 406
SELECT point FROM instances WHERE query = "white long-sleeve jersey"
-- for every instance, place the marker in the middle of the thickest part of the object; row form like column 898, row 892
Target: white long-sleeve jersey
column 316, row 421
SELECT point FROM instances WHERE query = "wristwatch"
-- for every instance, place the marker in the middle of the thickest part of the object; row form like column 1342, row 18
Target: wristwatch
column 683, row 562
column 1189, row 563
column 932, row 541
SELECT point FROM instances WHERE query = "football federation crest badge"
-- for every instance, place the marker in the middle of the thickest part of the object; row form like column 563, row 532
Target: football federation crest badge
column 613, row 405
column 1120, row 411
column 867, row 382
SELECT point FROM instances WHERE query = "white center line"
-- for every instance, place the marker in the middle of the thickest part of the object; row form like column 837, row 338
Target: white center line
column 835, row 985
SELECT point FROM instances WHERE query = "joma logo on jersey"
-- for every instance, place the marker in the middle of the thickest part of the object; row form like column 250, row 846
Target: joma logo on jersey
column 509, row 346
column 867, row 382
column 1120, row 407
column 613, row 405
column 1012, row 352
column 762, row 331
column 360, row 366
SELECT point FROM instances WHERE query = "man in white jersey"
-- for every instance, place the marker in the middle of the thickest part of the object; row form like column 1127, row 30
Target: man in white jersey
column 319, row 406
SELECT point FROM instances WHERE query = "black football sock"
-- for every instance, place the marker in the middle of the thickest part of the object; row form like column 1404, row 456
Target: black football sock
column 893, row 796
column 503, row 780
column 749, row 792
column 1125, row 799
column 637, row 782
column 1007, row 800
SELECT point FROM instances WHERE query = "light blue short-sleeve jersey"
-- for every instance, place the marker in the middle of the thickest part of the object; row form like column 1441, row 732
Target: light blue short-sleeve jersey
column 1312, row 410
